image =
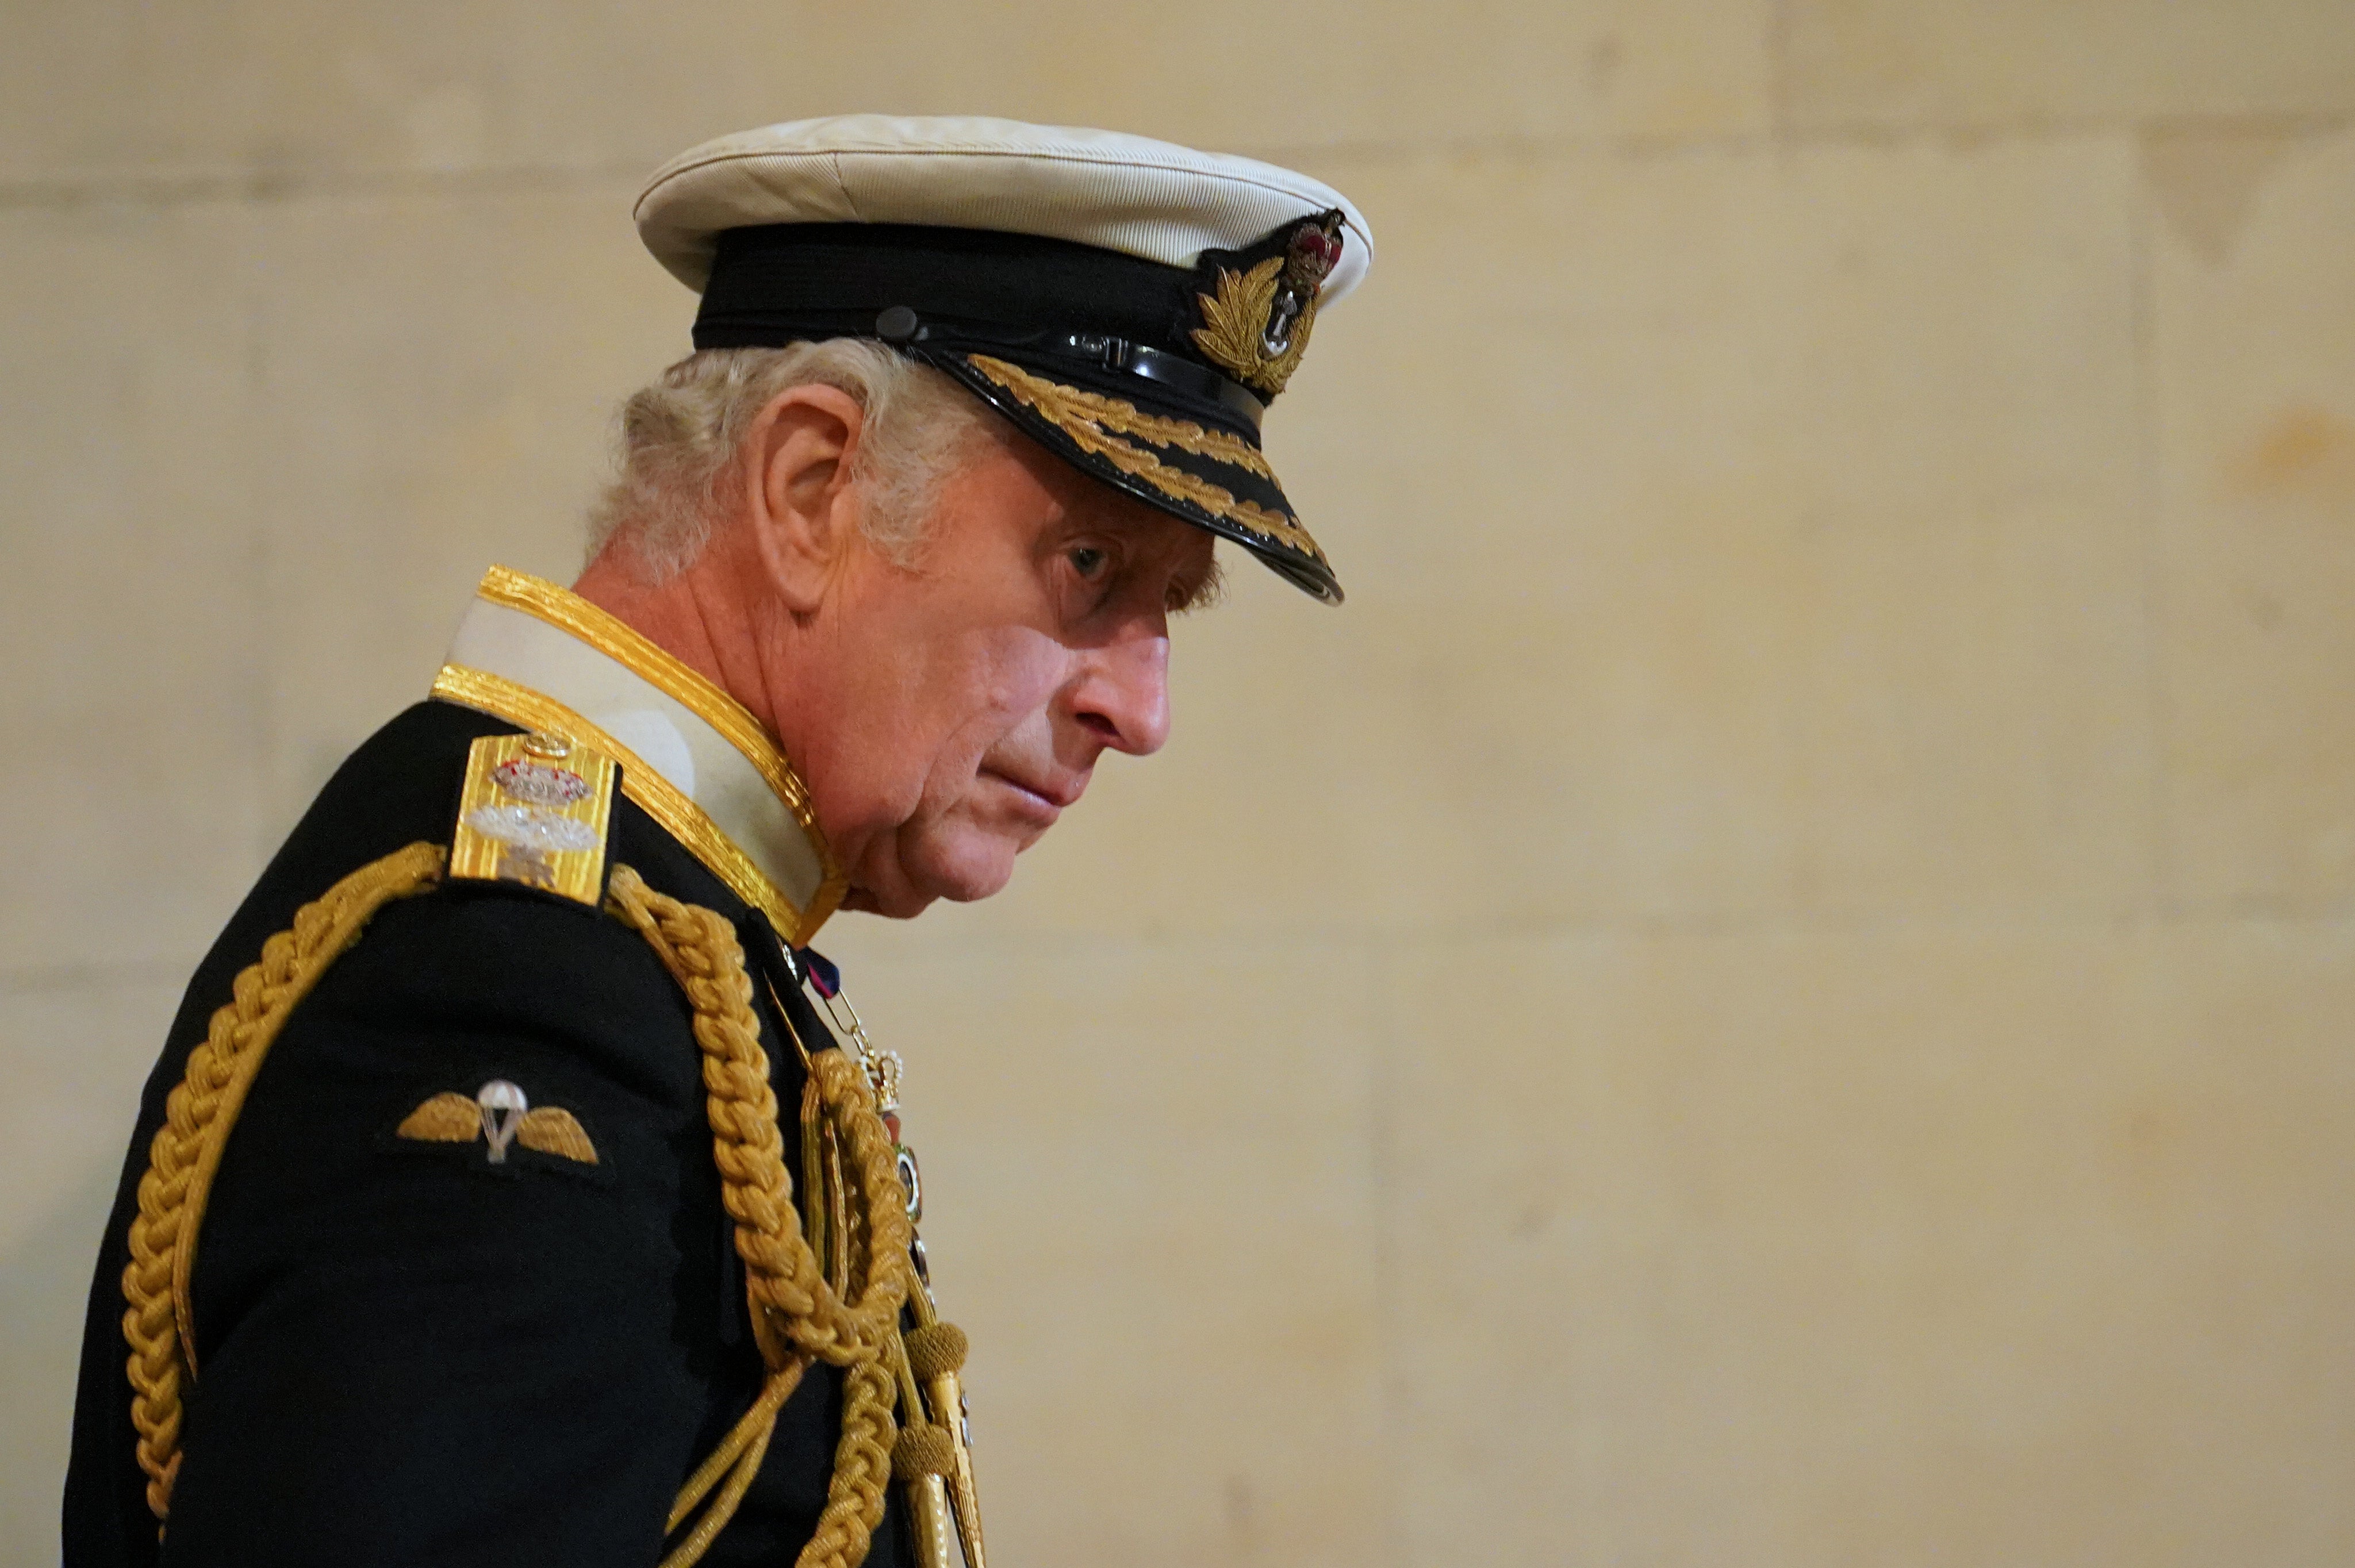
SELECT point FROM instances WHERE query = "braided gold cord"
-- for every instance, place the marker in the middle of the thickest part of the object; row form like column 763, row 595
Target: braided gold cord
column 738, row 1457
column 699, row 949
column 185, row 1151
column 798, row 1315
column 796, row 1308
column 688, row 1552
column 862, row 1469
column 742, row 1437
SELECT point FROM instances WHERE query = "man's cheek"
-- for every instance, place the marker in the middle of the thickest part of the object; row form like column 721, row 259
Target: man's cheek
column 1029, row 676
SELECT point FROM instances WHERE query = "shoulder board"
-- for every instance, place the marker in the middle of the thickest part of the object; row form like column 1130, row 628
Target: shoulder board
column 535, row 810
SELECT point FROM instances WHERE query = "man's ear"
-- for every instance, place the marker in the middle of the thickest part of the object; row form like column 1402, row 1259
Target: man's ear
column 797, row 461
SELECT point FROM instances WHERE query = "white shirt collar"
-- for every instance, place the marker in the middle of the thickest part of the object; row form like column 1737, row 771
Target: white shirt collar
column 692, row 757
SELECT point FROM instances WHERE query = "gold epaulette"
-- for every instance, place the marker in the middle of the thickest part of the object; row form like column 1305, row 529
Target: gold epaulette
column 536, row 810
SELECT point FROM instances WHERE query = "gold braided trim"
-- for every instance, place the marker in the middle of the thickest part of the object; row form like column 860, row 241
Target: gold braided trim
column 797, row 1315
column 1095, row 422
column 627, row 646
column 158, row 1322
column 669, row 805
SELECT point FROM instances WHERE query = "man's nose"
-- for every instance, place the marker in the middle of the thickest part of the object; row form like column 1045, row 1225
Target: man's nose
column 1123, row 693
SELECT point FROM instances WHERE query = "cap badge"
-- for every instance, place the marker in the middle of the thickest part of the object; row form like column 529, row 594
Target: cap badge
column 1255, row 327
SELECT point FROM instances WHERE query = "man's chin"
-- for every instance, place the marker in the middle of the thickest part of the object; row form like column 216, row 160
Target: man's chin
column 962, row 873
column 896, row 907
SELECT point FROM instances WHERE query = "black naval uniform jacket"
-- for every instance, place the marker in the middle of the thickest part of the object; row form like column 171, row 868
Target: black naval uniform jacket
column 405, row 1353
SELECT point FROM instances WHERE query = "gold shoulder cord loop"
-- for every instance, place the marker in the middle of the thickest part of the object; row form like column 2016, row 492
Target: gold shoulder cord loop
column 187, row 1149
column 798, row 1316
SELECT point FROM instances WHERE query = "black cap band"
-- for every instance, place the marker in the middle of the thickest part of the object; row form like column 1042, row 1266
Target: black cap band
column 1150, row 378
column 940, row 290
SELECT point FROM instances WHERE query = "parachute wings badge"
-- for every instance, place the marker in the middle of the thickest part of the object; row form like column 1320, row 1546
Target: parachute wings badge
column 500, row 1114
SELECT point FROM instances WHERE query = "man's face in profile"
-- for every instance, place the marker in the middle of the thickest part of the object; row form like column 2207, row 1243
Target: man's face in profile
column 1031, row 635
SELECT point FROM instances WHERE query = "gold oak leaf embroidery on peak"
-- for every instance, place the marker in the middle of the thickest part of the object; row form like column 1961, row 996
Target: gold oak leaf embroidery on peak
column 1095, row 423
column 1128, row 419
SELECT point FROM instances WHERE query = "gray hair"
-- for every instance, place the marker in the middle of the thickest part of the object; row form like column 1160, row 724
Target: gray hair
column 679, row 440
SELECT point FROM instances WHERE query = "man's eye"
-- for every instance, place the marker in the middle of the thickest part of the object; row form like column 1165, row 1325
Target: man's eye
column 1088, row 561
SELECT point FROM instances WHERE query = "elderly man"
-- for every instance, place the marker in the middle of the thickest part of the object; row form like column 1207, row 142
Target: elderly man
column 516, row 1186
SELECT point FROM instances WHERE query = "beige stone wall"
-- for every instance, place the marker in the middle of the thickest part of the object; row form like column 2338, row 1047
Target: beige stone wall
column 1774, row 990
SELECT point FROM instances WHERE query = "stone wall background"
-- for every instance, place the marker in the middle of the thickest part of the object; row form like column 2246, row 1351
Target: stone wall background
column 1773, row 990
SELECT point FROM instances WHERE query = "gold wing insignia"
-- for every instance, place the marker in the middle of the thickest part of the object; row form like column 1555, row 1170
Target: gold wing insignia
column 553, row 1131
column 444, row 1119
column 459, row 1118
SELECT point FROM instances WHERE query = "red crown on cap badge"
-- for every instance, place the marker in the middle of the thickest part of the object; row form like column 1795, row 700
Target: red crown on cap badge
column 1255, row 327
column 1315, row 251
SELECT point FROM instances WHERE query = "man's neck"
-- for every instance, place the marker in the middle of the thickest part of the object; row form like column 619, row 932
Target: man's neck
column 691, row 615
column 708, row 617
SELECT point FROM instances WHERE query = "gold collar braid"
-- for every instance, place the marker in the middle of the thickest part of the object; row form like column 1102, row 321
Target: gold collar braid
column 798, row 1316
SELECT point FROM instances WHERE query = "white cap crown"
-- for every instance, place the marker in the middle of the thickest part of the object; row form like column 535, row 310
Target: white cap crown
column 1127, row 194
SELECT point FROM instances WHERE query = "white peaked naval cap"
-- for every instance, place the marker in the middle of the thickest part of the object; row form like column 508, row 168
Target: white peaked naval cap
column 1150, row 199
column 1132, row 305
